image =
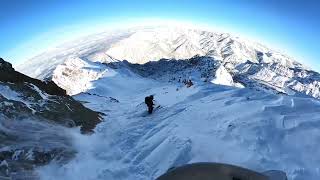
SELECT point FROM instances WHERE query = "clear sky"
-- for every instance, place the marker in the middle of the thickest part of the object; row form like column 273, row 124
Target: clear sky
column 28, row 27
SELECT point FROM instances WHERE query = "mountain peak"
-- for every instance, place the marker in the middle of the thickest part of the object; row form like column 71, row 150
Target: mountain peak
column 152, row 43
column 5, row 66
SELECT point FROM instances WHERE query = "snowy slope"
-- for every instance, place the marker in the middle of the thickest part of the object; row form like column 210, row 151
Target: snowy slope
column 205, row 122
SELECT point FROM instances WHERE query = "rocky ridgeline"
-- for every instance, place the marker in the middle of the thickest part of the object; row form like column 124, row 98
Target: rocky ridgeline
column 250, row 64
column 8, row 74
column 272, row 76
column 269, row 76
column 33, row 116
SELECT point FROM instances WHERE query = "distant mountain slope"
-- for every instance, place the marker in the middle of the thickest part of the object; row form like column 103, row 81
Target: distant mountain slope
column 33, row 118
column 140, row 45
column 256, row 125
column 250, row 64
column 44, row 64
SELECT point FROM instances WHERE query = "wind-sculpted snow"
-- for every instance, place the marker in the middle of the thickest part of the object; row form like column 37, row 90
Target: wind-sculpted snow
column 201, row 123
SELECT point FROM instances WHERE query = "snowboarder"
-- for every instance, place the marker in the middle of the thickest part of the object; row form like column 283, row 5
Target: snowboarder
column 149, row 102
column 189, row 83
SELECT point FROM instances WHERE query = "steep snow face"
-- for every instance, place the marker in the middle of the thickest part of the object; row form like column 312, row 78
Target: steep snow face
column 75, row 75
column 204, row 122
column 223, row 77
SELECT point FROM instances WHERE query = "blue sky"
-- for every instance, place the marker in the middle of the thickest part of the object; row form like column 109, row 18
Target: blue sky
column 28, row 27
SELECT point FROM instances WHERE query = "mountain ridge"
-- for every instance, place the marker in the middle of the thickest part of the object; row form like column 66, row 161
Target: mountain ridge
column 244, row 60
column 190, row 42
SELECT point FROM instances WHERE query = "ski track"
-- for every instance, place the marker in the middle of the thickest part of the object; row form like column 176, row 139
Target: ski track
column 211, row 123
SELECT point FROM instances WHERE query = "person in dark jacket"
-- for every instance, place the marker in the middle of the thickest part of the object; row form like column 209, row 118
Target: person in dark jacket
column 149, row 102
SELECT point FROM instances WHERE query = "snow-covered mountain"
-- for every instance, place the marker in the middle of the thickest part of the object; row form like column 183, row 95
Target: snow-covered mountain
column 141, row 45
column 33, row 120
column 219, row 98
column 250, row 64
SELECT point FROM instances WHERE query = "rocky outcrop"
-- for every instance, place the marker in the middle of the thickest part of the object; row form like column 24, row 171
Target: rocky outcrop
column 8, row 74
column 75, row 75
column 44, row 99
column 276, row 76
column 33, row 117
column 273, row 77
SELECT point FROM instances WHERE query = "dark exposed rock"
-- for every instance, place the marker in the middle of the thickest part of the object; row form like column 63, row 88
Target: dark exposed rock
column 165, row 68
column 8, row 74
column 5, row 66
column 57, row 107
column 63, row 110
column 33, row 116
